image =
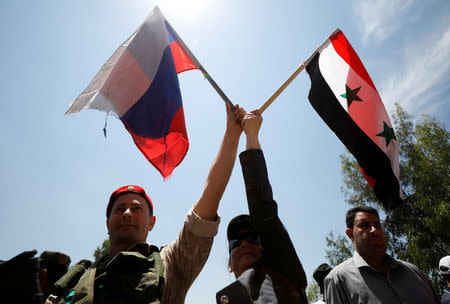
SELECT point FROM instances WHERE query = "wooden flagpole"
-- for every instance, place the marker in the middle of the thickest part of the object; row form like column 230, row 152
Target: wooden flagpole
column 281, row 89
column 202, row 69
column 293, row 75
column 215, row 86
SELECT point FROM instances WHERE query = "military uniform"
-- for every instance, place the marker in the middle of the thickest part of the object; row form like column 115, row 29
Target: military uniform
column 143, row 274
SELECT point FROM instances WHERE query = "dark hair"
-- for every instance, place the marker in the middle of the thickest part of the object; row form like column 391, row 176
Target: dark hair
column 54, row 271
column 320, row 273
column 350, row 217
column 447, row 277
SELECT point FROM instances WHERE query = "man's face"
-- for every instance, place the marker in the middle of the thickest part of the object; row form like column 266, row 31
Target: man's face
column 367, row 235
column 244, row 256
column 130, row 219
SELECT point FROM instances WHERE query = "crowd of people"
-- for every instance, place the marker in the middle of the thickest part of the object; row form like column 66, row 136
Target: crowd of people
column 262, row 256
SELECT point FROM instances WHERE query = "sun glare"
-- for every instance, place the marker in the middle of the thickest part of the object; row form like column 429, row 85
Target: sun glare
column 183, row 9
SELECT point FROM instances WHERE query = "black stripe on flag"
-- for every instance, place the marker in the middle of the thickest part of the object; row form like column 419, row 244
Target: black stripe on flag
column 370, row 157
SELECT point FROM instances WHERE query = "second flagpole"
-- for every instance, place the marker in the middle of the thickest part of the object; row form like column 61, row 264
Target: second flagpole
column 281, row 89
column 202, row 69
column 292, row 77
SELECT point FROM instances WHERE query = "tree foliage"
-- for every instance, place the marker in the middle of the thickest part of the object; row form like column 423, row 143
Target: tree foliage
column 103, row 250
column 313, row 292
column 338, row 249
column 418, row 230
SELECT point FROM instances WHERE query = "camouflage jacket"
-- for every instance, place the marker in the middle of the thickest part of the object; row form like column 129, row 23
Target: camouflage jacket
column 181, row 262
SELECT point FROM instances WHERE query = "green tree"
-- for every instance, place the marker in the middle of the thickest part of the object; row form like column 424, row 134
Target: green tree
column 418, row 230
column 313, row 291
column 103, row 250
column 338, row 249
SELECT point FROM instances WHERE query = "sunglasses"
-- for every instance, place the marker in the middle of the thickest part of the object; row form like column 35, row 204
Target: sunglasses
column 251, row 238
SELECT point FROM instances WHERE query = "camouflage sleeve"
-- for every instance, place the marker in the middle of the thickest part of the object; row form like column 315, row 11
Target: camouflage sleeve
column 184, row 258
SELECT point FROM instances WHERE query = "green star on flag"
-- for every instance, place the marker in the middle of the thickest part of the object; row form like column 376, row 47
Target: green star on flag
column 351, row 95
column 333, row 67
column 388, row 133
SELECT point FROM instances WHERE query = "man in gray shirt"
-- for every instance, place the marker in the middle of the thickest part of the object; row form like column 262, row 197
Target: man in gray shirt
column 371, row 275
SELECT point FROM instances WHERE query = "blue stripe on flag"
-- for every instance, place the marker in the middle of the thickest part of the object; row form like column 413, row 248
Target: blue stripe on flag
column 152, row 114
column 172, row 36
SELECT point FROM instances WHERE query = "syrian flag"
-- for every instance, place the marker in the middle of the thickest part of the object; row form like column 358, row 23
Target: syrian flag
column 345, row 97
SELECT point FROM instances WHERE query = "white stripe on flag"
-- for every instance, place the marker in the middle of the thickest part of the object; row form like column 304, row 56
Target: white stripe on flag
column 129, row 72
column 337, row 73
column 334, row 70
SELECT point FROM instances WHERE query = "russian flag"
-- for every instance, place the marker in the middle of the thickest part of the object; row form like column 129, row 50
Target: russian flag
column 140, row 84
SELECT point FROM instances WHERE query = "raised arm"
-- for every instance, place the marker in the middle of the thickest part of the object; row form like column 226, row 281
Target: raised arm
column 279, row 252
column 184, row 258
column 251, row 125
column 222, row 166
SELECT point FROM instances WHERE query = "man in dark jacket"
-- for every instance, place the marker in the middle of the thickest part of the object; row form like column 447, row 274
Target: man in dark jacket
column 262, row 256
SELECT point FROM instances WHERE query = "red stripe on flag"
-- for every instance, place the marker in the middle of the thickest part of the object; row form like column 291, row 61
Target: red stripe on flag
column 180, row 58
column 178, row 123
column 346, row 51
column 370, row 180
column 165, row 153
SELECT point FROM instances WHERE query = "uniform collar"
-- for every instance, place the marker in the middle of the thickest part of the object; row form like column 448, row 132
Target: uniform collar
column 142, row 248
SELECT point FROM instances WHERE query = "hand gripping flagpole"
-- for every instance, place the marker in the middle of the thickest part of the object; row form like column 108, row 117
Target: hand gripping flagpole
column 201, row 68
column 293, row 75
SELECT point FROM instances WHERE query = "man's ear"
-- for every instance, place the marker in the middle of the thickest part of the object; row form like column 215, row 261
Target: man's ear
column 107, row 224
column 229, row 266
column 43, row 281
column 152, row 222
column 349, row 233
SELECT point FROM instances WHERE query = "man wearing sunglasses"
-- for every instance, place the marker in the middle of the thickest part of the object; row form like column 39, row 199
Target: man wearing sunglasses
column 262, row 256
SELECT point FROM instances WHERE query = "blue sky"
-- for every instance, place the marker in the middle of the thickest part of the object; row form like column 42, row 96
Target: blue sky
column 58, row 171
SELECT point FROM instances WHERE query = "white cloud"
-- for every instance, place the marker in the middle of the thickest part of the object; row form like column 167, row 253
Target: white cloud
column 424, row 76
column 379, row 18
